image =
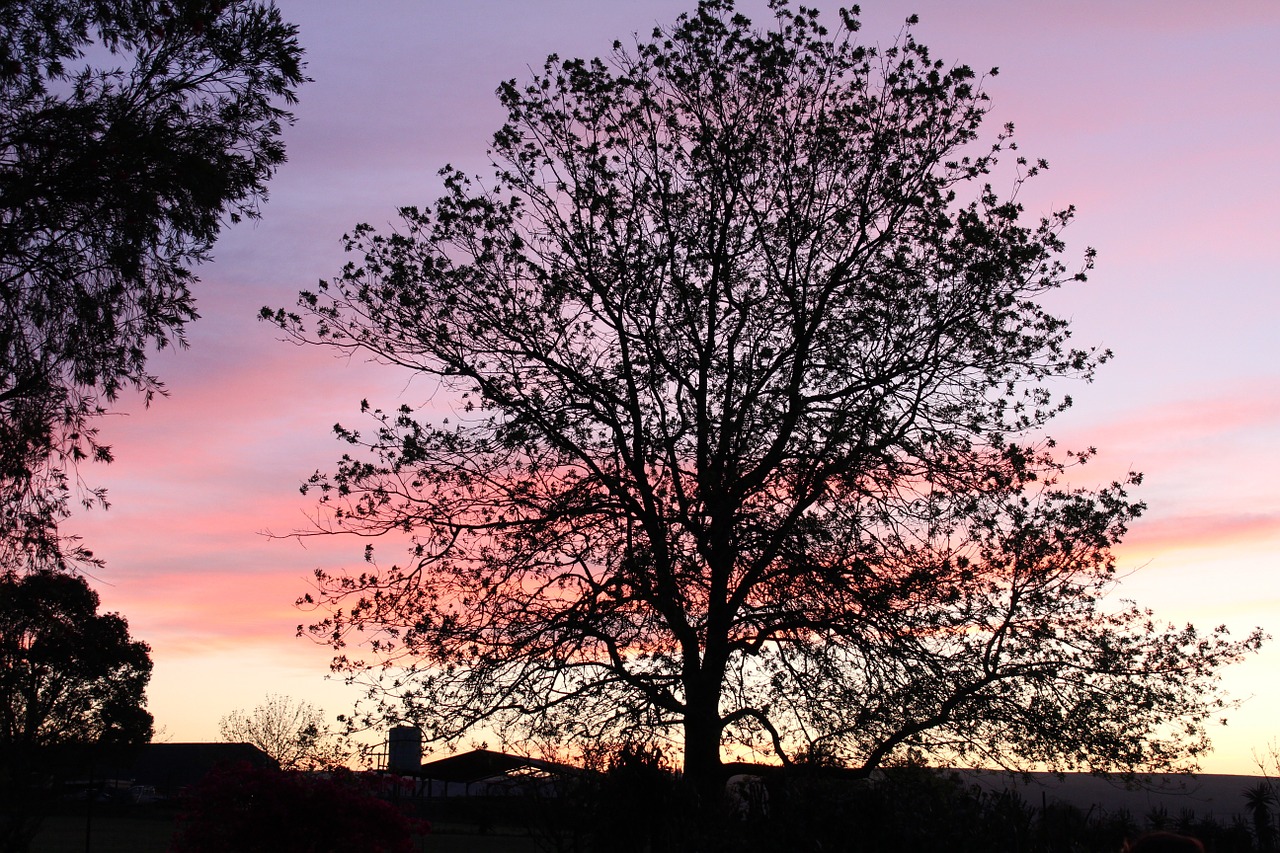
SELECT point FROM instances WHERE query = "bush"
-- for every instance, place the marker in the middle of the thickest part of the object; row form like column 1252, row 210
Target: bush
column 262, row 810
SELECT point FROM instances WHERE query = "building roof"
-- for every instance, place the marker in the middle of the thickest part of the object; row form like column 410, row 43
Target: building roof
column 170, row 767
column 485, row 764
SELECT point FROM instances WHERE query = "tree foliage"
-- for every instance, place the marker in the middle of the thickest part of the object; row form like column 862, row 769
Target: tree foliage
column 70, row 674
column 294, row 733
column 747, row 368
column 70, row 679
column 129, row 131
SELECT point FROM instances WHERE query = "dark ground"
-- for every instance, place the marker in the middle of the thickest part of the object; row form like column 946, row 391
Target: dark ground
column 65, row 833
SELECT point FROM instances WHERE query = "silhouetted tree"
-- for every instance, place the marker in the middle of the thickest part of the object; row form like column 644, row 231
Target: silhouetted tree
column 129, row 130
column 747, row 361
column 1259, row 800
column 70, row 679
column 294, row 733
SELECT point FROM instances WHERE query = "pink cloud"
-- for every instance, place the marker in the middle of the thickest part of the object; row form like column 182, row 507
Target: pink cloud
column 1200, row 420
column 1221, row 533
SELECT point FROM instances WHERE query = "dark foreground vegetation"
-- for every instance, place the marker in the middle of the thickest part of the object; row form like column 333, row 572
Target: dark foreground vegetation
column 636, row 804
column 637, row 807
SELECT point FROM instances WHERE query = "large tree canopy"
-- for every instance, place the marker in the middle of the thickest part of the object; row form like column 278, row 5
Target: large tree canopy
column 129, row 129
column 742, row 369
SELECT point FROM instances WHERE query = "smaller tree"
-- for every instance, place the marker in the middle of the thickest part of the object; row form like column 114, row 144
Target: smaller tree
column 294, row 733
column 70, row 679
column 1259, row 800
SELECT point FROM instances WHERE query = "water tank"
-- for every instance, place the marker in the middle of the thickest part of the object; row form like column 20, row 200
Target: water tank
column 404, row 749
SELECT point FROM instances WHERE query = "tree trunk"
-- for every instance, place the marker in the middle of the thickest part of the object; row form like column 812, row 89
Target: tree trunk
column 703, row 772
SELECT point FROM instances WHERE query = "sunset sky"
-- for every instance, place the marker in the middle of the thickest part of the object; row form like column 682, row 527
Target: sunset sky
column 1161, row 122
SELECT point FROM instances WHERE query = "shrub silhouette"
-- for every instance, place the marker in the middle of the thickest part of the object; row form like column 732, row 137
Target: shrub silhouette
column 261, row 810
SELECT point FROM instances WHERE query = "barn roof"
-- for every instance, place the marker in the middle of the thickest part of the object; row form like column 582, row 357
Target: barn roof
column 172, row 766
column 484, row 764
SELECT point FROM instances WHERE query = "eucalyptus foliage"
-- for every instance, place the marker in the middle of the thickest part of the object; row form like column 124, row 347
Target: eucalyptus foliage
column 130, row 130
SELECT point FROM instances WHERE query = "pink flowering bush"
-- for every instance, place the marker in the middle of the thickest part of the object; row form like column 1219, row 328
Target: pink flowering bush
column 257, row 810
